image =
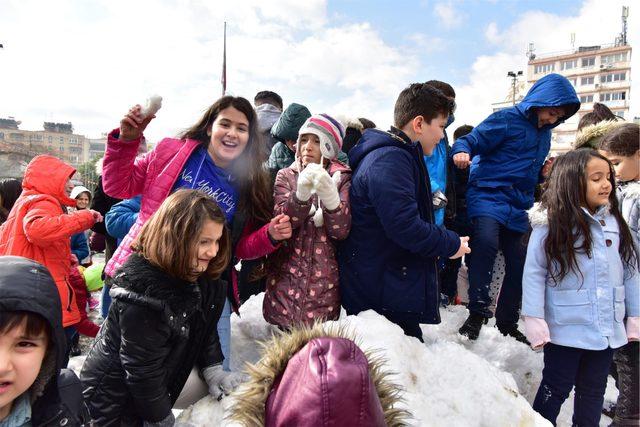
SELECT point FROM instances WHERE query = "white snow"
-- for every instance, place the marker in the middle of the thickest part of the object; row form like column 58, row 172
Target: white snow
column 448, row 380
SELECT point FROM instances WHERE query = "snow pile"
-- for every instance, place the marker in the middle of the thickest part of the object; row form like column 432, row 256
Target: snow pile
column 448, row 380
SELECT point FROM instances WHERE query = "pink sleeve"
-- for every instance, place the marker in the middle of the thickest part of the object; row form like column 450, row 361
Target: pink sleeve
column 254, row 244
column 124, row 174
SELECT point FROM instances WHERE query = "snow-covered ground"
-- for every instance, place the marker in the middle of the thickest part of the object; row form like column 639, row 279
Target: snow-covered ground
column 448, row 380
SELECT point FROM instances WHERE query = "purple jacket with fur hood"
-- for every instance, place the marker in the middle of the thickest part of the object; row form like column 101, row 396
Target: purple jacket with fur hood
column 305, row 286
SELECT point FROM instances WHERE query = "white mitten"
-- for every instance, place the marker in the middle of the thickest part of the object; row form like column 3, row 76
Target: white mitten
column 220, row 382
column 306, row 184
column 154, row 103
column 633, row 328
column 537, row 331
column 327, row 190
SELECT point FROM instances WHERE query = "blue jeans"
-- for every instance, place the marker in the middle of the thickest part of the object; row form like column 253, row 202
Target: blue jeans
column 224, row 333
column 565, row 367
column 105, row 298
column 489, row 236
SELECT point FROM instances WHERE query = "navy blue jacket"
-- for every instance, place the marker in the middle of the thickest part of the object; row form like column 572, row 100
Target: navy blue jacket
column 388, row 262
column 508, row 151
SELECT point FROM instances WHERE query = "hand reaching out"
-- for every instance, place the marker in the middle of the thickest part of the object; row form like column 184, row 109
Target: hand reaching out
column 463, row 249
column 134, row 123
column 280, row 227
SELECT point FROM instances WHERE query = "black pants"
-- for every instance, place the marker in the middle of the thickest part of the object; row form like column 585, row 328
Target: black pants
column 628, row 406
column 565, row 367
column 489, row 236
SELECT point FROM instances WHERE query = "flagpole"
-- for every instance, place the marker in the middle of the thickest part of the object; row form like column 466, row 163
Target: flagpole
column 224, row 61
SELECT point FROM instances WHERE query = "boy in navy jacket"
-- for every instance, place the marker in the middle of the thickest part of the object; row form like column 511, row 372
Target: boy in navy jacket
column 388, row 262
column 506, row 152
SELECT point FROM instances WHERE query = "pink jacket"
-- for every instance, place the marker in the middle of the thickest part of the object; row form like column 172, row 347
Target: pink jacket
column 304, row 288
column 153, row 175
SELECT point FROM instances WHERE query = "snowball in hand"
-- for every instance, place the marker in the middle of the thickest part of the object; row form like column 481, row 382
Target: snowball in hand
column 154, row 103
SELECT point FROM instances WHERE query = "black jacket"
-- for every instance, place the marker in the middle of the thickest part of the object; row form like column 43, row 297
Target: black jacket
column 56, row 393
column 157, row 330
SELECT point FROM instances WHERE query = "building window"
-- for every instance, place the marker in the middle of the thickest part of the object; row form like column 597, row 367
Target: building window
column 613, row 96
column 568, row 65
column 1, row 135
column 619, row 114
column 574, row 81
column 615, row 77
column 50, row 139
column 613, row 58
column 587, row 80
column 544, row 68
column 584, row 99
column 588, row 62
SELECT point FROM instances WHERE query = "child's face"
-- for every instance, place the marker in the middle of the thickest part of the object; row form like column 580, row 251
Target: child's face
column 208, row 245
column 310, row 149
column 20, row 361
column 68, row 186
column 229, row 136
column 82, row 201
column 598, row 184
column 627, row 167
column 432, row 133
column 549, row 115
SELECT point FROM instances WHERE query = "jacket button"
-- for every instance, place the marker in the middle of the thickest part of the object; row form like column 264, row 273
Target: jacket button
column 184, row 314
column 609, row 242
column 183, row 328
column 602, row 223
column 170, row 317
column 64, row 422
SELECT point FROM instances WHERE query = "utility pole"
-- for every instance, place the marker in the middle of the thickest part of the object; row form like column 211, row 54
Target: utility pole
column 514, row 77
column 224, row 61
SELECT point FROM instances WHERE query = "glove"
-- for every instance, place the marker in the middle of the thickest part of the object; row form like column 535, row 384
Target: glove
column 537, row 332
column 168, row 421
column 220, row 382
column 306, row 184
column 633, row 328
column 326, row 189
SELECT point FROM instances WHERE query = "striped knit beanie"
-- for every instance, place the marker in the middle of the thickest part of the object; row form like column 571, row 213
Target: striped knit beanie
column 328, row 130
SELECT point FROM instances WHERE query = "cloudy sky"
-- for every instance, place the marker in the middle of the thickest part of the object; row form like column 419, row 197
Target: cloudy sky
column 87, row 61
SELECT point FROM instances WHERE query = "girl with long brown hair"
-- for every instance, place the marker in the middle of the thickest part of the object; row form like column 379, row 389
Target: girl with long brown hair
column 167, row 299
column 580, row 280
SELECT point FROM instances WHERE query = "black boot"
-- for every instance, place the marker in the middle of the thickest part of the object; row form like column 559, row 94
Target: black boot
column 513, row 331
column 471, row 327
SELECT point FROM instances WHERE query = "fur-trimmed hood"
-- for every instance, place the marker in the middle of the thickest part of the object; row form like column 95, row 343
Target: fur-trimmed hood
column 294, row 355
column 630, row 190
column 350, row 122
column 590, row 136
column 538, row 216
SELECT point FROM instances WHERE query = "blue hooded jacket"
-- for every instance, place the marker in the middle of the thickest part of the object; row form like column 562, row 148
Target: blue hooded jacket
column 388, row 262
column 508, row 151
column 121, row 217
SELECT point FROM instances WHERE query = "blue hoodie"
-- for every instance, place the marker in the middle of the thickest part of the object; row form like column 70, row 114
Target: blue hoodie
column 388, row 262
column 508, row 151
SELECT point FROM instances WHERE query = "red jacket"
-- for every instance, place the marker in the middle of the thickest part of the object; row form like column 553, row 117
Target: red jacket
column 38, row 227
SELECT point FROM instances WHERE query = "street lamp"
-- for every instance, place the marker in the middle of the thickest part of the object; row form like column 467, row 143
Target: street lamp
column 514, row 77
